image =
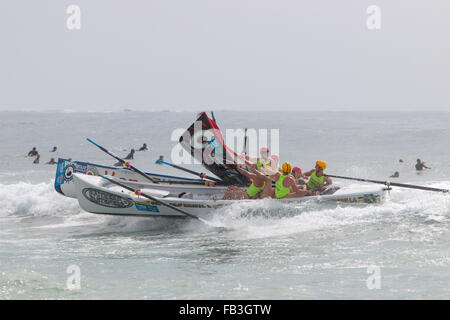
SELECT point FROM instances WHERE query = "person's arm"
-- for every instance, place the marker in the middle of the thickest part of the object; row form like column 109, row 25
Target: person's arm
column 293, row 185
column 308, row 173
column 246, row 173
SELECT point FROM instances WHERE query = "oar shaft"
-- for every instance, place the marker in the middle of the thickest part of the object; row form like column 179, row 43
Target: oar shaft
column 128, row 165
column 201, row 175
column 150, row 197
column 394, row 184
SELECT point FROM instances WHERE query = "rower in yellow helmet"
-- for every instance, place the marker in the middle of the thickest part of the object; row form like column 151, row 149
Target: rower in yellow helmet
column 285, row 186
column 317, row 180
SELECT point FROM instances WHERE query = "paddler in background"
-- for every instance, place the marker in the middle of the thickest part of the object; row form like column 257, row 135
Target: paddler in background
column 265, row 162
column 317, row 182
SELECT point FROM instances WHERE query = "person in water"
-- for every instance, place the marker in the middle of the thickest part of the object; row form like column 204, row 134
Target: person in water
column 258, row 182
column 52, row 161
column 317, row 182
column 143, row 148
column 54, row 149
column 285, row 184
column 395, row 175
column 130, row 156
column 161, row 158
column 420, row 165
column 36, row 161
column 33, row 152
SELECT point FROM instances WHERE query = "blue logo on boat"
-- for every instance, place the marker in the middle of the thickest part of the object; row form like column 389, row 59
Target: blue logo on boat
column 146, row 207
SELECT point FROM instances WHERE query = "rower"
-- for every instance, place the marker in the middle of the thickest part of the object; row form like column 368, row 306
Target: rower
column 317, row 180
column 264, row 160
column 298, row 175
column 258, row 182
column 285, row 186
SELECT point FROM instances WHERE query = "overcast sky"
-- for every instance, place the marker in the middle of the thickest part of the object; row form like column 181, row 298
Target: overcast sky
column 225, row 54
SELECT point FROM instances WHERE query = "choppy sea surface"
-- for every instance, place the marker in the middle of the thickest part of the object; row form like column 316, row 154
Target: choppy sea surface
column 398, row 249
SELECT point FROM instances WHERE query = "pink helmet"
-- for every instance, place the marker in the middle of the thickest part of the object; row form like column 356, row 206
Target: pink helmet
column 297, row 169
column 264, row 149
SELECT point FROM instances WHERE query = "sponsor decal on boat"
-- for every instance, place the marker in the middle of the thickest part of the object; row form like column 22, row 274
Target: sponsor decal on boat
column 106, row 199
column 367, row 198
column 146, row 207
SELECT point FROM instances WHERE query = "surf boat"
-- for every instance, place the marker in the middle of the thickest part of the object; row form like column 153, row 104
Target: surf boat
column 99, row 196
column 66, row 168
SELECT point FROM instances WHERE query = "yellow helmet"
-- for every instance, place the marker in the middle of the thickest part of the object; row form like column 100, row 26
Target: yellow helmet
column 287, row 168
column 321, row 164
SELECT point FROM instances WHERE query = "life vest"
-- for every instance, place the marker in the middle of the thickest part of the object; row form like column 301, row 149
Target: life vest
column 280, row 190
column 315, row 182
column 253, row 190
column 267, row 164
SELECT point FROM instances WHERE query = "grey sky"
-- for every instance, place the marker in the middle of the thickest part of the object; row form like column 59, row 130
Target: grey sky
column 225, row 54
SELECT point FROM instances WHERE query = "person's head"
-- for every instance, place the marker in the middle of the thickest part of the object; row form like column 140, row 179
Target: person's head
column 145, row 144
column 132, row 151
column 264, row 151
column 418, row 161
column 401, row 160
column 287, row 168
column 34, row 148
column 320, row 166
column 297, row 172
column 396, row 174
column 161, row 157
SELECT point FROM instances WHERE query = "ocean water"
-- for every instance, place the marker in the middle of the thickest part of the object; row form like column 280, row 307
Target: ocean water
column 398, row 249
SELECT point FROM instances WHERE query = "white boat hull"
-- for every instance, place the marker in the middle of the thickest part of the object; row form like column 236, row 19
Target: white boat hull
column 66, row 168
column 96, row 195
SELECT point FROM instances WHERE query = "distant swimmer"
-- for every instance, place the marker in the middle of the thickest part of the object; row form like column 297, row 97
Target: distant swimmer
column 36, row 161
column 395, row 175
column 52, row 161
column 54, row 149
column 161, row 158
column 420, row 165
column 143, row 148
column 130, row 155
column 401, row 160
column 33, row 152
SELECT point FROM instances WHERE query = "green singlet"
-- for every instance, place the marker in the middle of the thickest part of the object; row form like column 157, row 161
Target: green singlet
column 280, row 190
column 259, row 163
column 315, row 182
column 253, row 190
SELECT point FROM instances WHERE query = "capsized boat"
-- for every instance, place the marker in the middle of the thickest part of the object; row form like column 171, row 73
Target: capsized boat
column 97, row 195
column 66, row 168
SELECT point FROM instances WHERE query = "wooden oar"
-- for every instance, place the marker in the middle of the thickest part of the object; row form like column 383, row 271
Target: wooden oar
column 123, row 162
column 388, row 183
column 138, row 192
column 201, row 175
